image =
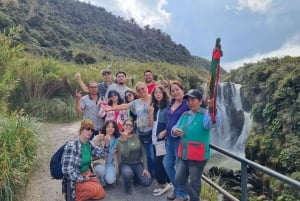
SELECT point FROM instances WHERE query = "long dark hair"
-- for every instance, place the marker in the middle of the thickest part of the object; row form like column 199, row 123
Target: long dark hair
column 120, row 100
column 165, row 100
column 106, row 123
column 131, row 92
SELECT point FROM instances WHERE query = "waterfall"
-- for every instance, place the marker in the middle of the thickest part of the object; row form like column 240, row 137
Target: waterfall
column 235, row 122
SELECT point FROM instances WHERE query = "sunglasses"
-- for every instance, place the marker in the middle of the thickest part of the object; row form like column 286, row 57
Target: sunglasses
column 112, row 95
column 140, row 89
column 89, row 129
column 129, row 95
column 129, row 125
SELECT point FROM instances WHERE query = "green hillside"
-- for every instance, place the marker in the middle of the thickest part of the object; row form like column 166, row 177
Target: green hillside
column 271, row 92
column 75, row 31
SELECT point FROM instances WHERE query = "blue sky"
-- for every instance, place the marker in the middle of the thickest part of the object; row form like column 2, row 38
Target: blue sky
column 250, row 29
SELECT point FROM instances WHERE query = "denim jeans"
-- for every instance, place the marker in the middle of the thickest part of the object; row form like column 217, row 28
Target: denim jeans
column 188, row 176
column 106, row 173
column 131, row 171
column 150, row 157
column 169, row 162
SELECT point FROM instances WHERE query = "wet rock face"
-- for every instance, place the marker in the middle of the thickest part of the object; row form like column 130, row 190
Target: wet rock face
column 237, row 120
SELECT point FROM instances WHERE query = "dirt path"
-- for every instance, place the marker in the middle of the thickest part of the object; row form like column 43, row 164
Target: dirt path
column 42, row 188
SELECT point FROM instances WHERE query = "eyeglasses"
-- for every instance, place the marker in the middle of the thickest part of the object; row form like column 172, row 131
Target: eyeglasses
column 129, row 125
column 89, row 129
column 129, row 95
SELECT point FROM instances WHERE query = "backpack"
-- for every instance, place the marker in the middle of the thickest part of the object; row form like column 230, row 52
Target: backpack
column 55, row 163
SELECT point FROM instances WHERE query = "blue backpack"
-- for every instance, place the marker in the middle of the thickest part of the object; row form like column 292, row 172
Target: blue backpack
column 55, row 163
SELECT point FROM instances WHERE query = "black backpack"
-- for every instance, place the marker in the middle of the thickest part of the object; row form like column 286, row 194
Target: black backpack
column 55, row 163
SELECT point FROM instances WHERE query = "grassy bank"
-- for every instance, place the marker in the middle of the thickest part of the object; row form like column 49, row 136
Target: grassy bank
column 18, row 147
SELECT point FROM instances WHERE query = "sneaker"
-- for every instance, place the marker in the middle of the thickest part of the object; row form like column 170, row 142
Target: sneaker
column 171, row 196
column 156, row 190
column 161, row 190
column 158, row 187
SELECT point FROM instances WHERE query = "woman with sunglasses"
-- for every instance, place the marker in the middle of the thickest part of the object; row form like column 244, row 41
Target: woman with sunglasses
column 107, row 169
column 140, row 108
column 133, row 158
column 76, row 161
column 130, row 96
column 118, row 116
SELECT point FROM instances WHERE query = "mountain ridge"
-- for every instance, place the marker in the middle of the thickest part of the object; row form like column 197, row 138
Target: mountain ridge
column 65, row 29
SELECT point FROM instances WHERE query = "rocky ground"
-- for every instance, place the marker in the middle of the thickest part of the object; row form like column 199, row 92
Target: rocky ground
column 42, row 188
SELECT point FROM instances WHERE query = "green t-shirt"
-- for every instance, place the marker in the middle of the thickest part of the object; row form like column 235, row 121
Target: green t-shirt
column 85, row 157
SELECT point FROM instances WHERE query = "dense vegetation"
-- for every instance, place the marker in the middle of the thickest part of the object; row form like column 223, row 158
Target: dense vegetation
column 271, row 91
column 75, row 31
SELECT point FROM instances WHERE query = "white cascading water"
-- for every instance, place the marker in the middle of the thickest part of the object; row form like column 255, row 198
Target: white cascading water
column 235, row 122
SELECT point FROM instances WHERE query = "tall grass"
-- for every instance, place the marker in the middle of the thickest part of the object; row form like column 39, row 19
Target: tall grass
column 208, row 193
column 18, row 147
column 55, row 109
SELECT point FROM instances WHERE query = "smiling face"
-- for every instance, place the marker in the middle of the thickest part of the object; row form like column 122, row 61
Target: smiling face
column 110, row 129
column 141, row 90
column 158, row 94
column 86, row 130
column 113, row 96
column 128, row 126
column 148, row 77
column 194, row 104
column 129, row 97
column 177, row 92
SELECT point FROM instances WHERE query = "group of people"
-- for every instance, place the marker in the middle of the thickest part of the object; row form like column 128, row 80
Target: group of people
column 152, row 132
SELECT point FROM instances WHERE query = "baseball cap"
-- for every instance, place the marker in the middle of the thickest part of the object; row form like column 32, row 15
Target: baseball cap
column 194, row 93
column 104, row 71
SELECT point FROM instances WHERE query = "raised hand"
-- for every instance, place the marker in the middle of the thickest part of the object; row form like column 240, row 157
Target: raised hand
column 78, row 94
column 77, row 75
column 151, row 108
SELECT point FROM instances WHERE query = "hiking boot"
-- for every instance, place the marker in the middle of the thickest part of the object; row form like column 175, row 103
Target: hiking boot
column 161, row 189
column 171, row 196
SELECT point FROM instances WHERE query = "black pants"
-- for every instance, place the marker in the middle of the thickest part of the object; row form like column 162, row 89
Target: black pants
column 160, row 172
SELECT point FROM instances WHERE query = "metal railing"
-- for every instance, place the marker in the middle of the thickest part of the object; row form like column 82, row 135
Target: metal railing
column 244, row 177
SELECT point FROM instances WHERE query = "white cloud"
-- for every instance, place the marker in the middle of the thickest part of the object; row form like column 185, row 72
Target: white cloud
column 290, row 48
column 144, row 12
column 259, row 6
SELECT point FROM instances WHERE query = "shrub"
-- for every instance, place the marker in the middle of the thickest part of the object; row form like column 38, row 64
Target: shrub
column 19, row 143
column 83, row 58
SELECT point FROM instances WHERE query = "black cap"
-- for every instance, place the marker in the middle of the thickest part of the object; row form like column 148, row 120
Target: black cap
column 194, row 93
column 104, row 71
